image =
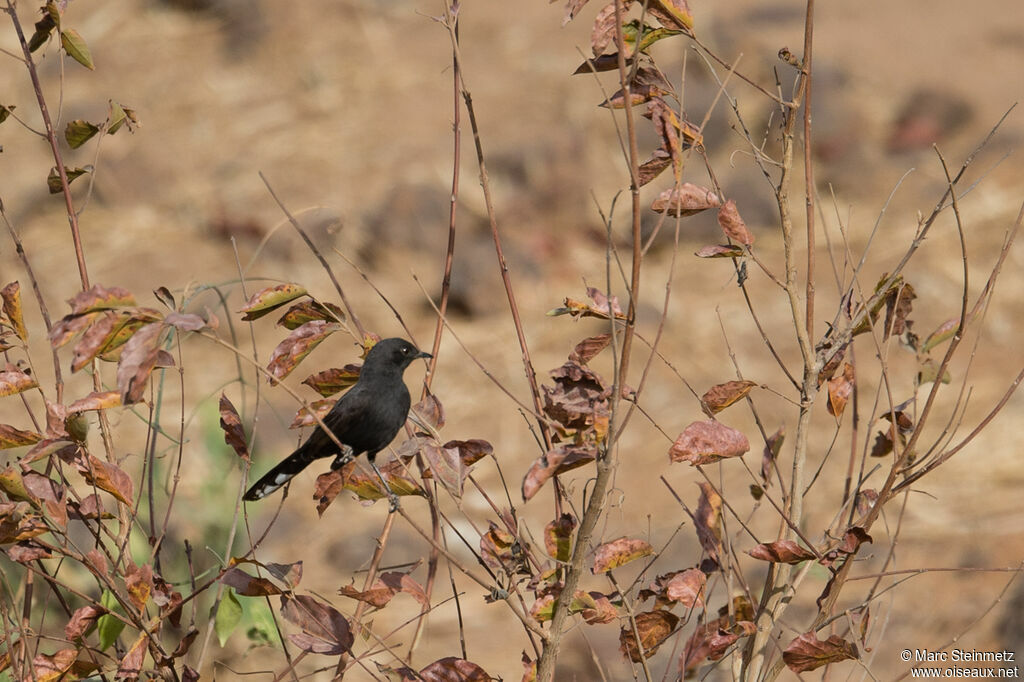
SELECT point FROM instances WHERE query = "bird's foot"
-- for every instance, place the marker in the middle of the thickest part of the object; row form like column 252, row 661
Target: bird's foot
column 392, row 502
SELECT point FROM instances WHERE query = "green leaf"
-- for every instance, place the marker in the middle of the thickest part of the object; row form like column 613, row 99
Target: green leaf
column 116, row 118
column 53, row 179
column 107, row 626
column 76, row 48
column 79, row 132
column 5, row 111
column 229, row 613
column 263, row 630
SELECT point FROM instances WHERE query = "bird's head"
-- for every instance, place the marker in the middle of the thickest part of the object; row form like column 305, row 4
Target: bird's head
column 393, row 354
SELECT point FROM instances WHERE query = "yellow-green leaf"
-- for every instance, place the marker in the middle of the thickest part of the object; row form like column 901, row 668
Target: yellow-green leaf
column 12, row 308
column 271, row 298
column 229, row 613
column 76, row 48
column 53, row 179
column 78, row 132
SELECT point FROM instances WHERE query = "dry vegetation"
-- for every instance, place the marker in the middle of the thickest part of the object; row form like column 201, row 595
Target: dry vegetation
column 347, row 110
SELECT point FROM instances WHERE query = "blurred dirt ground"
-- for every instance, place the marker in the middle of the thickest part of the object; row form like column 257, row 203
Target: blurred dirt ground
column 346, row 107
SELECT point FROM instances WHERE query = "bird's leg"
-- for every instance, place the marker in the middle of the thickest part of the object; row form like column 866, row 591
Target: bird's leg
column 392, row 497
column 343, row 458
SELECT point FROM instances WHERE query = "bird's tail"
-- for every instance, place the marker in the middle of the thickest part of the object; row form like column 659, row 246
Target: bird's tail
column 279, row 475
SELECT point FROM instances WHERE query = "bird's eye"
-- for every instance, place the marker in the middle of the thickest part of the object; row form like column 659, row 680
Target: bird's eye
column 405, row 350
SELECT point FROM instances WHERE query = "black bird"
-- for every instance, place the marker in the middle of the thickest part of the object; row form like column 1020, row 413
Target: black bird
column 365, row 419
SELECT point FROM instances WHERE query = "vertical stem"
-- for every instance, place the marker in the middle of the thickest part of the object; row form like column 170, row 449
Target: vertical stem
column 51, row 137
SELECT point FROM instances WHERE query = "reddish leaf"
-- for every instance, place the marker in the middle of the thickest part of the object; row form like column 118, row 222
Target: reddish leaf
column 270, row 299
column 290, row 352
column 706, row 442
column 595, row 607
column 330, row 381
column 231, row 424
column 707, row 520
column 430, row 411
column 246, row 585
column 852, row 540
column 654, row 628
column 898, row 303
column 687, row 588
column 100, row 298
column 289, row 574
column 53, row 668
column 572, row 8
column 185, row 644
column 304, row 417
column 11, row 295
column 807, row 652
column 453, row 669
column 600, row 307
column 652, row 167
column 324, row 629
column 942, row 333
column 302, row 312
column 588, row 348
column 500, row 550
column 139, row 582
column 722, row 396
column 618, row 552
column 82, row 620
column 186, row 322
column 131, row 664
column 732, row 224
column 771, row 452
column 781, row 552
column 710, row 642
column 686, row 200
column 377, row 596
column 91, row 507
column 603, row 32
column 138, row 359
column 13, row 380
column 109, row 477
column 447, row 467
column 543, row 608
column 472, row 450
column 840, row 387
column 69, row 326
column 559, row 461
column 11, row 437
column 26, row 551
column 558, row 537
column 720, row 251
column 96, row 401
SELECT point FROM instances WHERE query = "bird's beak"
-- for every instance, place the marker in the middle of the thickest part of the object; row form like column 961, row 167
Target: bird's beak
column 424, row 354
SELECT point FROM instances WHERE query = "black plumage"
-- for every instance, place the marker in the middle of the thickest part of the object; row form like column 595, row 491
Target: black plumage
column 365, row 419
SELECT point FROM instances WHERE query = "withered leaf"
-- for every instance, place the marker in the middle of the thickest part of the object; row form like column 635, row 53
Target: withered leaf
column 771, row 452
column 595, row 607
column 27, row 551
column 942, row 333
column 707, row 441
column 96, row 401
column 290, row 352
column 588, row 348
column 447, row 467
column 721, row 396
column 138, row 359
column 707, row 520
column 558, row 461
column 100, row 298
column 654, row 628
column 11, row 437
column 572, row 8
column 807, row 652
column 558, row 537
column 781, row 552
column 685, row 200
column 131, row 664
column 687, row 588
column 55, row 667
column 619, row 552
column 732, row 224
column 13, row 381
column 720, row 251
column 304, row 417
column 231, row 424
column 109, row 477
column 270, row 299
column 453, row 669
column 673, row 14
column 82, row 621
column 186, row 322
column 324, row 629
column 11, row 295
column 659, row 160
column 246, row 585
column 543, row 608
column 501, row 550
column 430, row 411
column 472, row 450
column 853, row 538
column 330, row 381
column 840, row 387
column 304, row 311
